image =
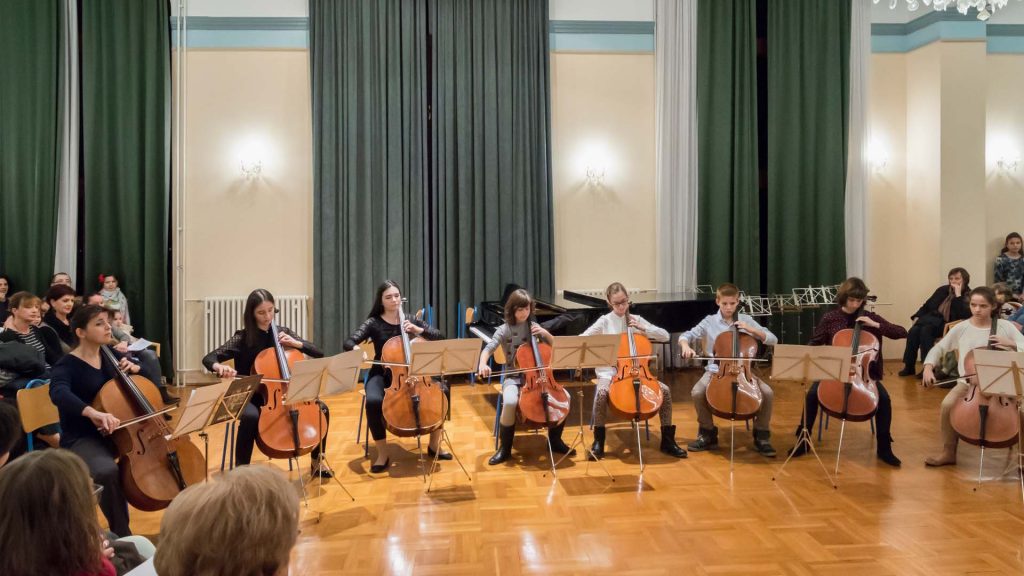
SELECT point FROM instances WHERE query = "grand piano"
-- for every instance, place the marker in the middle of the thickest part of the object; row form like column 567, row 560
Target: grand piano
column 571, row 312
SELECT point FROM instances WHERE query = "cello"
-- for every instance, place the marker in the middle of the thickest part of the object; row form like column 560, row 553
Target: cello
column 543, row 402
column 984, row 420
column 856, row 400
column 733, row 392
column 634, row 392
column 413, row 406
column 153, row 467
column 285, row 431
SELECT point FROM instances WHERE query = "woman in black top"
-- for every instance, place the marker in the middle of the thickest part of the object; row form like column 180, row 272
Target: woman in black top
column 948, row 303
column 380, row 326
column 23, row 326
column 243, row 347
column 74, row 383
column 61, row 299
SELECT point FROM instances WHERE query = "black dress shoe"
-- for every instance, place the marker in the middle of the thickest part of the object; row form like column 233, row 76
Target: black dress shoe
column 378, row 468
column 889, row 458
column 443, row 456
column 906, row 372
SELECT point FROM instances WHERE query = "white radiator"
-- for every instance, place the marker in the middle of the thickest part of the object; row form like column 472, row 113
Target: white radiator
column 222, row 316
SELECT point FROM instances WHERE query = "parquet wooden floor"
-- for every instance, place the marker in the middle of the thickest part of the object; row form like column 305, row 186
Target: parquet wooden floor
column 683, row 517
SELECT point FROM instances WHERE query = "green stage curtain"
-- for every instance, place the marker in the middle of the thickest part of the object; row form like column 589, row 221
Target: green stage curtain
column 31, row 48
column 808, row 103
column 126, row 155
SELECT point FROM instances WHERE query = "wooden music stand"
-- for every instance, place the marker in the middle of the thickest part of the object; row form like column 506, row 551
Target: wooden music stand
column 443, row 358
column 578, row 353
column 806, row 364
column 315, row 378
column 1001, row 373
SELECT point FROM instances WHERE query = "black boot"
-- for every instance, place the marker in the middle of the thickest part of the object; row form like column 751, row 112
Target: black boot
column 668, row 442
column 557, row 445
column 166, row 396
column 707, row 439
column 505, row 436
column 761, row 443
column 597, row 450
column 885, row 453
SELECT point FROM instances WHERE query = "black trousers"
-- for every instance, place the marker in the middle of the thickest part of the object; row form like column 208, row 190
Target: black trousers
column 921, row 337
column 99, row 458
column 375, row 387
column 249, row 425
column 883, row 417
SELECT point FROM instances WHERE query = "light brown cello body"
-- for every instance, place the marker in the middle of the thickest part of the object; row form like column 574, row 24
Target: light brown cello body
column 285, row 431
column 733, row 392
column 153, row 469
column 983, row 420
column 412, row 406
column 634, row 393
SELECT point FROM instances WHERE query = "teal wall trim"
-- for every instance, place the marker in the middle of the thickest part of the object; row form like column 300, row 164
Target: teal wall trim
column 946, row 26
column 292, row 33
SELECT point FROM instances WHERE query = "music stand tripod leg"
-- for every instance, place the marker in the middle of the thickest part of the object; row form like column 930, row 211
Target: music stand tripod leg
column 639, row 448
column 805, row 437
column 839, row 451
column 446, row 440
column 581, row 439
column 326, row 464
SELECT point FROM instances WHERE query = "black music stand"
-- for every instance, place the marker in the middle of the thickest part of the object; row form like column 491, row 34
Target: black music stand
column 806, row 364
column 211, row 405
column 311, row 380
column 443, row 358
column 578, row 353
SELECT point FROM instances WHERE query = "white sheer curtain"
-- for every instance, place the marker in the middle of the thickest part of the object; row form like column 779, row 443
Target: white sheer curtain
column 857, row 170
column 67, row 201
column 676, row 122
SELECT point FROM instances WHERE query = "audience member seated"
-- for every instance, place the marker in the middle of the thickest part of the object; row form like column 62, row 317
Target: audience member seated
column 10, row 431
column 5, row 286
column 24, row 326
column 1009, row 265
column 62, row 278
column 48, row 522
column 244, row 524
column 19, row 365
column 947, row 304
column 61, row 299
column 113, row 298
column 146, row 359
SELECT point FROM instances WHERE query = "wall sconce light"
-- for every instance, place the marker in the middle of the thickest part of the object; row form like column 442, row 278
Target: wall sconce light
column 877, row 157
column 1008, row 164
column 594, row 178
column 251, row 169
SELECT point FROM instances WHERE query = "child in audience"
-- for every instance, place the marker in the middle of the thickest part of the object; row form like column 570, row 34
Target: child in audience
column 112, row 294
column 1009, row 266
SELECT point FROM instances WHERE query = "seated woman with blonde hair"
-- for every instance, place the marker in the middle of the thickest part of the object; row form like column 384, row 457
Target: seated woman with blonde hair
column 244, row 524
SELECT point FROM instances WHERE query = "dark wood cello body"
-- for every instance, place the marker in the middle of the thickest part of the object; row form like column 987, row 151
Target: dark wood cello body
column 153, row 469
column 543, row 402
column 983, row 420
column 733, row 392
column 634, row 393
column 856, row 400
column 285, row 431
column 413, row 406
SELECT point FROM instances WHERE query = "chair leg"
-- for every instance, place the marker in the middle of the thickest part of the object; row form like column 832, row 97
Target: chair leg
column 821, row 422
column 30, row 442
column 232, row 448
column 872, row 425
column 359, row 427
column 647, row 428
column 366, row 440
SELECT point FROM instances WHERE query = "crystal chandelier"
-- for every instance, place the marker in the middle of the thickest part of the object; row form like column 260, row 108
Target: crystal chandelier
column 985, row 7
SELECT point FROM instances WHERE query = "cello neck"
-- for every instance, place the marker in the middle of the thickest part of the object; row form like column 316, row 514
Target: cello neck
column 406, row 346
column 992, row 331
column 282, row 360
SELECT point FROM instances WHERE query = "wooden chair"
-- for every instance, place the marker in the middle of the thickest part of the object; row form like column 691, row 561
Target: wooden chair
column 35, row 408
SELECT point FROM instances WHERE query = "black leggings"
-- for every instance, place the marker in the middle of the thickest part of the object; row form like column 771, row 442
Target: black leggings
column 375, row 387
column 99, row 458
column 249, row 424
